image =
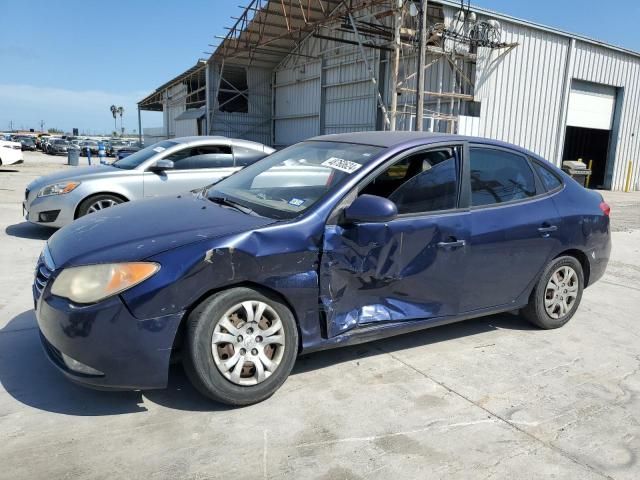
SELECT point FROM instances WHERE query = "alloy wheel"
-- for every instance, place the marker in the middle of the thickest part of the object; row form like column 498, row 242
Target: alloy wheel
column 248, row 343
column 561, row 292
column 101, row 205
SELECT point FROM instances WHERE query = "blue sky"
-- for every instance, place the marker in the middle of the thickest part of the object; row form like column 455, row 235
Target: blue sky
column 66, row 62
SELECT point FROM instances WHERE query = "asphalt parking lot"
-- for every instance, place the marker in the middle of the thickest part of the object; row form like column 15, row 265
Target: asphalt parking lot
column 491, row 397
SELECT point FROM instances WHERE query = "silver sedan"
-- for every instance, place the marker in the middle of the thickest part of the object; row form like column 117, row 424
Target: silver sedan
column 168, row 167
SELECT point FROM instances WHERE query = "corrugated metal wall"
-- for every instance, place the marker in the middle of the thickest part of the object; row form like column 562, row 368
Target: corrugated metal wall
column 175, row 105
column 253, row 125
column 521, row 91
column 349, row 95
column 297, row 102
column 186, row 128
column 331, row 95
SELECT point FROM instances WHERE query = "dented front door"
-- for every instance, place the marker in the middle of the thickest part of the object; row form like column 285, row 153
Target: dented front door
column 407, row 269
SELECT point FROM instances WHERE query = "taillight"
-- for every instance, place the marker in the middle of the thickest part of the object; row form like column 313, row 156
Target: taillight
column 606, row 209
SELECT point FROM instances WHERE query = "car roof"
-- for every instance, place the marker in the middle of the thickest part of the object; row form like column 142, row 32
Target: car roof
column 203, row 139
column 382, row 139
column 197, row 138
column 399, row 138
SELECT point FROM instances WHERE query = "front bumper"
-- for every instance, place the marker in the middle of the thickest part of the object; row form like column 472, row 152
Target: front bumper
column 131, row 354
column 33, row 206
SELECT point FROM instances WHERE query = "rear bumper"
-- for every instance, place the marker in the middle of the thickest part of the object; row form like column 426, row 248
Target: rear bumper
column 128, row 353
column 598, row 261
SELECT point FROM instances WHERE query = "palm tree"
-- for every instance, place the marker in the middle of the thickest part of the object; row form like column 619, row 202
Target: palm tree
column 114, row 112
column 120, row 111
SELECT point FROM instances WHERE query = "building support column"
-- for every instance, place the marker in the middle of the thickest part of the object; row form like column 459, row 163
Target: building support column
column 564, row 106
column 422, row 60
column 395, row 67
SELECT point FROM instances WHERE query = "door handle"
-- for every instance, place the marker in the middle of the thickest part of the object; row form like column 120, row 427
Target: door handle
column 546, row 229
column 451, row 245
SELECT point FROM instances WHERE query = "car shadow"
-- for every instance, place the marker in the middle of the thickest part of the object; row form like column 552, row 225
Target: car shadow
column 8, row 170
column 30, row 231
column 325, row 358
column 28, row 376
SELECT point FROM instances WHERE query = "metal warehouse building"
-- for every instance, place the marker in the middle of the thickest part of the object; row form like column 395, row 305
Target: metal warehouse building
column 290, row 70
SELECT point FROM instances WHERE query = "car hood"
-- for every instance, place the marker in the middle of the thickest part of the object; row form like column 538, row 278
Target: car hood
column 141, row 229
column 77, row 174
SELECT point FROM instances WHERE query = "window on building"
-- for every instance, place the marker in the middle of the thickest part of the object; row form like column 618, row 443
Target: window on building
column 422, row 182
column 498, row 176
column 233, row 95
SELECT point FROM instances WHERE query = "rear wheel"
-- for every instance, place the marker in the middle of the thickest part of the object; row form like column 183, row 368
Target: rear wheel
column 97, row 203
column 557, row 294
column 241, row 345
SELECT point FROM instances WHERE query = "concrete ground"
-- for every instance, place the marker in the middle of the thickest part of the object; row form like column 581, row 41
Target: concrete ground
column 491, row 397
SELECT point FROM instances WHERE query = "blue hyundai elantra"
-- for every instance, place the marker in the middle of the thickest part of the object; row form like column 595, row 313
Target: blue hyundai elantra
column 337, row 240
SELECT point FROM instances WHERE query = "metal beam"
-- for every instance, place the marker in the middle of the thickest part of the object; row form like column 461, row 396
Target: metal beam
column 395, row 60
column 422, row 58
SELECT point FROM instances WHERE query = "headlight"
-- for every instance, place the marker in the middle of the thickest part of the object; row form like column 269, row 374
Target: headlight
column 58, row 188
column 92, row 283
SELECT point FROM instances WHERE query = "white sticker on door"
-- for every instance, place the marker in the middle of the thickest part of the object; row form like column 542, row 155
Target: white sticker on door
column 341, row 164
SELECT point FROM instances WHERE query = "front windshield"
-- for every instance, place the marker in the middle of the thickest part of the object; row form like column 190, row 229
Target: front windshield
column 132, row 161
column 288, row 182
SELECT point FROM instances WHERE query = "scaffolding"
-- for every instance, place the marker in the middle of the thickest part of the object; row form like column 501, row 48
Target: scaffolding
column 430, row 49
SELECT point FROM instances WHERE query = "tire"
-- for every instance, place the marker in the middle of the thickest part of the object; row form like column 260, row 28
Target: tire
column 97, row 202
column 204, row 361
column 549, row 306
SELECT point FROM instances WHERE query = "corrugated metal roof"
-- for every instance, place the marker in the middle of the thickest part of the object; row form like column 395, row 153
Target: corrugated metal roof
column 153, row 101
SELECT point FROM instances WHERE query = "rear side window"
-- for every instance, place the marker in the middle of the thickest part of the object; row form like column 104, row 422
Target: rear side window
column 246, row 156
column 549, row 179
column 498, row 176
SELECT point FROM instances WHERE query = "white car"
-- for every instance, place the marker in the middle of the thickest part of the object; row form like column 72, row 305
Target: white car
column 10, row 152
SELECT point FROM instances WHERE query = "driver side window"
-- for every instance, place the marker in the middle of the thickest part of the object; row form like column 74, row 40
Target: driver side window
column 421, row 182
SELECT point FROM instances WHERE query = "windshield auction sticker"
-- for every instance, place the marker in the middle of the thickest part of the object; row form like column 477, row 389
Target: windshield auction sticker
column 341, row 164
column 159, row 149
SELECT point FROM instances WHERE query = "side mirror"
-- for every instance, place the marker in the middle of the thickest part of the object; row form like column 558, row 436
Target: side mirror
column 161, row 165
column 371, row 208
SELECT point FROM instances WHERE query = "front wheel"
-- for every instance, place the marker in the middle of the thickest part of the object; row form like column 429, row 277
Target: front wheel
column 557, row 294
column 241, row 345
column 97, row 203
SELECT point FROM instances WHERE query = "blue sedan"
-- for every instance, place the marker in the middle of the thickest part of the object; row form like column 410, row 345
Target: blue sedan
column 337, row 240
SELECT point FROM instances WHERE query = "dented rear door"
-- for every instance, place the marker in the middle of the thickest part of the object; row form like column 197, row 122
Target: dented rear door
column 407, row 269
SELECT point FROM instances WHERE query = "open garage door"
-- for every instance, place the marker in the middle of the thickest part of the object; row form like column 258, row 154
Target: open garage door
column 590, row 119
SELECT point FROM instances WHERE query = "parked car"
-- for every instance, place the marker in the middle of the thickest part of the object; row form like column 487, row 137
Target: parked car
column 40, row 141
column 401, row 231
column 58, row 147
column 48, row 142
column 28, row 143
column 129, row 149
column 10, row 152
column 91, row 145
column 166, row 168
column 114, row 146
